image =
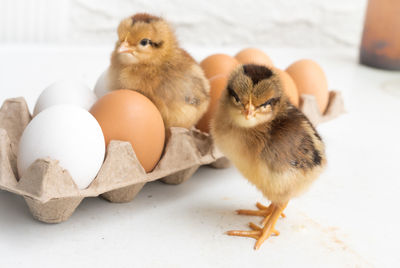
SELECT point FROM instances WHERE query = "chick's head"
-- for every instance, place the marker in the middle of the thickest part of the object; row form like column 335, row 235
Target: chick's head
column 144, row 39
column 253, row 96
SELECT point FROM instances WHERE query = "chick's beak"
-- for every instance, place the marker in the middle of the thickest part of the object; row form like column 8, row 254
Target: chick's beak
column 125, row 48
column 249, row 111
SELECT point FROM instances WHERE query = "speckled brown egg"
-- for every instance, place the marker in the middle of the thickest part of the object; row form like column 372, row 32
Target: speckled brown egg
column 310, row 79
column 127, row 115
column 288, row 86
column 254, row 56
column 218, row 64
column 217, row 85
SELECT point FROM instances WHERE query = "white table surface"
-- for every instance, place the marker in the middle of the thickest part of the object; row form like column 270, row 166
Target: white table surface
column 349, row 217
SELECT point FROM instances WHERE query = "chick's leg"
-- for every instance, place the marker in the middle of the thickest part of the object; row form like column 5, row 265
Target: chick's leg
column 261, row 234
column 269, row 226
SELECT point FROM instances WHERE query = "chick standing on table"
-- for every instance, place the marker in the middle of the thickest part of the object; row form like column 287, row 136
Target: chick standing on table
column 148, row 59
column 271, row 143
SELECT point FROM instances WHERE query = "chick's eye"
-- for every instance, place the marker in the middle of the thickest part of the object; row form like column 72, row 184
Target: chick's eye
column 265, row 104
column 269, row 102
column 144, row 42
column 233, row 94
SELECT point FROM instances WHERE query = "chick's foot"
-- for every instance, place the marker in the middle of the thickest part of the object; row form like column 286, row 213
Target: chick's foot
column 271, row 214
column 262, row 211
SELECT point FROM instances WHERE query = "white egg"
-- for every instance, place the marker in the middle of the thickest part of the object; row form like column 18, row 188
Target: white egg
column 102, row 88
column 66, row 133
column 71, row 92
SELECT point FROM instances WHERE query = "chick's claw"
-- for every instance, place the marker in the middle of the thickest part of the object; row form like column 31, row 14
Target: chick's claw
column 256, row 233
column 262, row 211
column 253, row 234
column 254, row 226
column 262, row 207
column 271, row 215
column 258, row 228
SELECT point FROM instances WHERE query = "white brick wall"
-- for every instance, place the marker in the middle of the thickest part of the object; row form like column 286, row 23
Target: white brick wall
column 34, row 21
column 273, row 23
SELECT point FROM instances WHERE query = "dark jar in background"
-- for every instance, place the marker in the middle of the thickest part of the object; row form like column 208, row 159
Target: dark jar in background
column 380, row 45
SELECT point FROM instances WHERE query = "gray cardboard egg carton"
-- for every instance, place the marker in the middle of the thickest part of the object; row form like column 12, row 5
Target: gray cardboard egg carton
column 335, row 107
column 51, row 194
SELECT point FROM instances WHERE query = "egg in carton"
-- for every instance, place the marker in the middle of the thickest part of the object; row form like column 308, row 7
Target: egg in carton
column 52, row 195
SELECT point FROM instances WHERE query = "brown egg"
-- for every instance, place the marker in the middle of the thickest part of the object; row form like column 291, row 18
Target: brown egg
column 218, row 64
column 310, row 79
column 288, row 86
column 254, row 56
column 217, row 85
column 127, row 115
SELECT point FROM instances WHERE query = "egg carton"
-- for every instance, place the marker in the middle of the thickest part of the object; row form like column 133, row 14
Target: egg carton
column 309, row 106
column 52, row 195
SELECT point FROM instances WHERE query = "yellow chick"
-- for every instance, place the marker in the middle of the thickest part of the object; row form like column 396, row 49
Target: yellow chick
column 269, row 140
column 148, row 59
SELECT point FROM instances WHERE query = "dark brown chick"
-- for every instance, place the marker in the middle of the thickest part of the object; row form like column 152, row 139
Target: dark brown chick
column 148, row 59
column 271, row 142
